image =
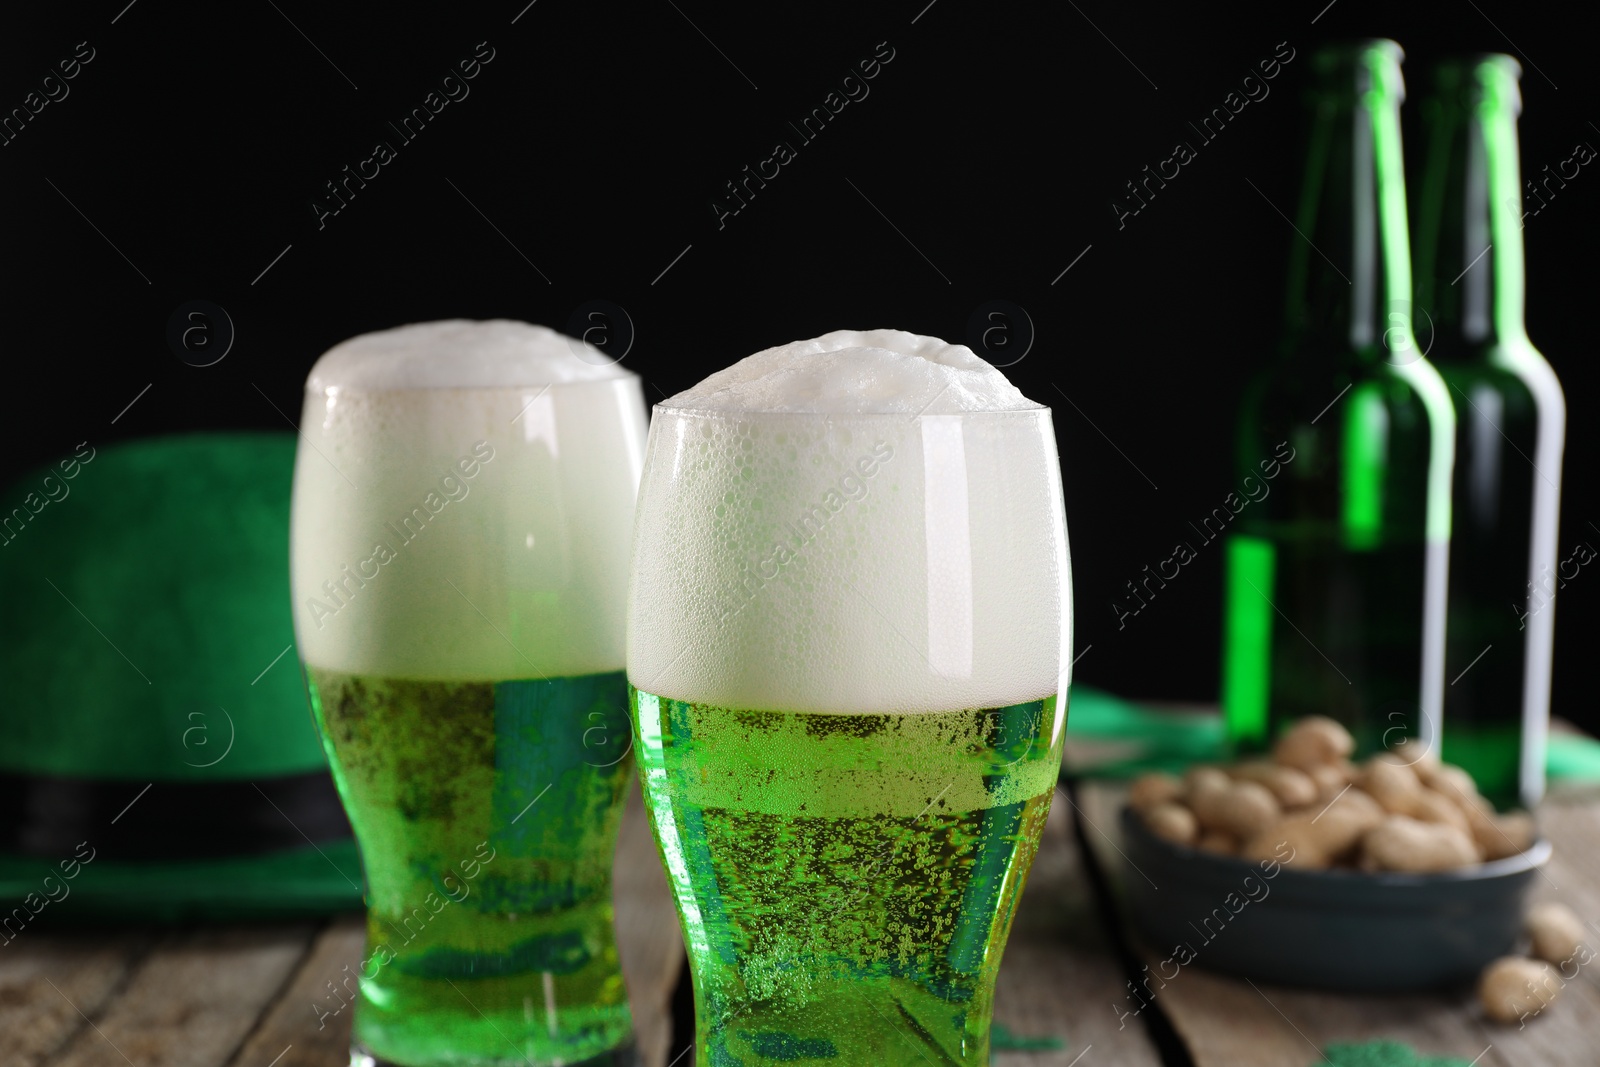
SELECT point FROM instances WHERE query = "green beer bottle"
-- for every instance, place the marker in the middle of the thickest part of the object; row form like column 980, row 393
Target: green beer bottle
column 1335, row 582
column 1510, row 421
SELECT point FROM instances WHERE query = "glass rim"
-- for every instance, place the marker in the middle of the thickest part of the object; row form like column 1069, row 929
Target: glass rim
column 626, row 376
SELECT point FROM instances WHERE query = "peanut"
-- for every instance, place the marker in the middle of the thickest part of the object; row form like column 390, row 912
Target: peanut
column 1304, row 842
column 1239, row 810
column 1332, row 777
column 1342, row 822
column 1512, row 987
column 1391, row 783
column 1199, row 780
column 1173, row 822
column 1499, row 836
column 1312, row 742
column 1414, row 755
column 1149, row 790
column 1556, row 932
column 1432, row 806
column 1401, row 843
column 1293, row 788
column 1450, row 780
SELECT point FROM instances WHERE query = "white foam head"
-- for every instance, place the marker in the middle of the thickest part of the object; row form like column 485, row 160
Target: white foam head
column 858, row 372
column 462, row 500
column 865, row 522
column 460, row 354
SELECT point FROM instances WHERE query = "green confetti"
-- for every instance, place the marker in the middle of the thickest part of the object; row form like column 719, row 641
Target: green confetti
column 1573, row 757
column 1383, row 1054
column 1167, row 741
column 1003, row 1040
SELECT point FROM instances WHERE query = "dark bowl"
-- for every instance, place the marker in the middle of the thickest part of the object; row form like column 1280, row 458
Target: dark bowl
column 1336, row 930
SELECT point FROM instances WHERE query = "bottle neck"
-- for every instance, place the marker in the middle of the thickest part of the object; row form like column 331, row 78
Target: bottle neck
column 1350, row 275
column 1470, row 234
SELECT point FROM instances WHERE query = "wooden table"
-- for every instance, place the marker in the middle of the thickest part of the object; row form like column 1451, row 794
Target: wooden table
column 243, row 996
column 246, row 996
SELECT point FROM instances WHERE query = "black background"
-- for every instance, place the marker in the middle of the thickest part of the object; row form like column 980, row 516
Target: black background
column 983, row 163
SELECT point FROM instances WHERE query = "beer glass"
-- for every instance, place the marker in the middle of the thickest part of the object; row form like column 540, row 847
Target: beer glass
column 462, row 501
column 848, row 632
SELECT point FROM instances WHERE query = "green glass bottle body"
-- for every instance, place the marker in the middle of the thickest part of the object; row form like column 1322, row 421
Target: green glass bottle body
column 1335, row 579
column 1511, row 420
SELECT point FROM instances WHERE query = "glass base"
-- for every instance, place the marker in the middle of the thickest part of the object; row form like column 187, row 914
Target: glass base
column 622, row 1056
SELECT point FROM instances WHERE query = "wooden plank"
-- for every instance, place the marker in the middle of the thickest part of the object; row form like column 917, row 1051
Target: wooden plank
column 1563, row 1035
column 1221, row 1021
column 1059, row 977
column 649, row 939
column 1574, row 830
column 1044, row 991
column 1225, row 1022
column 1433, row 1024
column 42, row 976
column 294, row 1032
column 191, row 1000
column 1100, row 803
column 1573, row 827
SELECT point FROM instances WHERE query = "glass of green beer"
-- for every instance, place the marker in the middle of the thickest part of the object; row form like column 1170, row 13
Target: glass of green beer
column 848, row 627
column 462, row 503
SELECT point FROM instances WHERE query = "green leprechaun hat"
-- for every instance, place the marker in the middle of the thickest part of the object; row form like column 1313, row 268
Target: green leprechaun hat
column 157, row 756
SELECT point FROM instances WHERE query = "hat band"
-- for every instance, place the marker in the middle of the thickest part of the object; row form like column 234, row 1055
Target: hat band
column 168, row 820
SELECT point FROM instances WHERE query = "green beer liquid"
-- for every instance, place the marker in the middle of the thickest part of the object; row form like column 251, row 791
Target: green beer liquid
column 846, row 882
column 487, row 815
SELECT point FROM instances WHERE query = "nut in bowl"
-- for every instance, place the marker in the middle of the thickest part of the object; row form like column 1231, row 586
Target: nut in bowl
column 1310, row 870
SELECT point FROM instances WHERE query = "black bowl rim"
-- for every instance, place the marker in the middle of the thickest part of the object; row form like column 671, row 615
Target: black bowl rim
column 1534, row 856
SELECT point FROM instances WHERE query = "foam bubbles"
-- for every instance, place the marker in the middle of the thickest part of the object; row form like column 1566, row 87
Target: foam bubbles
column 858, row 372
column 460, row 353
column 463, row 500
column 861, row 523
